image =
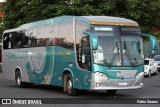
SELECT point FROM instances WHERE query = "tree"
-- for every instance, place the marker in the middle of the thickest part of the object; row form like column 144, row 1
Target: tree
column 145, row 12
column 1, row 22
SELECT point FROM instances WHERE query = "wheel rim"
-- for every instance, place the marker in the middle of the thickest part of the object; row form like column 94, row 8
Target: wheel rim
column 157, row 72
column 149, row 74
column 69, row 86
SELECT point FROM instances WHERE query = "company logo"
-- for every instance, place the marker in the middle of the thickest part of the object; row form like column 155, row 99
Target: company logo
column 18, row 55
column 37, row 58
column 6, row 101
column 130, row 29
column 38, row 61
column 21, row 101
column 119, row 75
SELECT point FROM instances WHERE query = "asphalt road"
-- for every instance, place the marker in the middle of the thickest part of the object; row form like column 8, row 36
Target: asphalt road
column 8, row 89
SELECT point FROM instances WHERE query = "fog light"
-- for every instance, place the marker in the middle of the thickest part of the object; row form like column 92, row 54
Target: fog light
column 97, row 84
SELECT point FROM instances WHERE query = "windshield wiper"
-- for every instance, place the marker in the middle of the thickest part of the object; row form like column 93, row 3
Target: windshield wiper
column 116, row 52
column 135, row 60
column 127, row 53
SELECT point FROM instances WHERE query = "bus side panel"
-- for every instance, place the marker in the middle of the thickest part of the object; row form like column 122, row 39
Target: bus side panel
column 13, row 59
column 65, row 59
column 7, row 65
column 40, row 64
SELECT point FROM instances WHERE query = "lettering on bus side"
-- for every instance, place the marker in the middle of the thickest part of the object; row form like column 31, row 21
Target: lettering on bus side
column 18, row 55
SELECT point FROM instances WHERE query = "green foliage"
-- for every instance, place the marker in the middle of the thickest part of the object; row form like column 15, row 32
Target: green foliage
column 145, row 12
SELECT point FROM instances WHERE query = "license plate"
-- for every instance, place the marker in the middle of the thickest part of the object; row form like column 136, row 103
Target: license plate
column 122, row 83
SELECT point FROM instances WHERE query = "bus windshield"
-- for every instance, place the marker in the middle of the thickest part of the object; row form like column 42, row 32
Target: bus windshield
column 118, row 45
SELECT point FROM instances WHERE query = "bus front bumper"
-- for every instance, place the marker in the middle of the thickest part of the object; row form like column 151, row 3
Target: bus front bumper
column 101, row 83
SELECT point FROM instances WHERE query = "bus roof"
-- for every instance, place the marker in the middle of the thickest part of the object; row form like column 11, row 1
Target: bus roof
column 104, row 20
column 108, row 20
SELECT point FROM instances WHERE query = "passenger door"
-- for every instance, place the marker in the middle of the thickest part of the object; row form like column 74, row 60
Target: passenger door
column 85, row 62
column 152, row 65
column 83, row 54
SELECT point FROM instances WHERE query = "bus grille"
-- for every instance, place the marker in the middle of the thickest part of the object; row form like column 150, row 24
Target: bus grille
column 121, row 74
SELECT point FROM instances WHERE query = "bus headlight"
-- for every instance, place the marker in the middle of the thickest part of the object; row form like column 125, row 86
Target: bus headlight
column 101, row 75
column 140, row 74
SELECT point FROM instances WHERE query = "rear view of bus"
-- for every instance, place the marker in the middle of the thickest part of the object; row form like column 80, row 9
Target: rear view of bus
column 117, row 54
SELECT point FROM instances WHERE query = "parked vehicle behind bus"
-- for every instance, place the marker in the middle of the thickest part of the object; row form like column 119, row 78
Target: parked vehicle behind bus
column 76, row 53
column 150, row 67
column 157, row 59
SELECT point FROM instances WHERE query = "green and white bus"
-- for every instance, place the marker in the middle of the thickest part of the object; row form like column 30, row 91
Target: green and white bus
column 76, row 53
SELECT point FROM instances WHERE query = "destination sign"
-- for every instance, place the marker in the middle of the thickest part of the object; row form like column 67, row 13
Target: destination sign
column 129, row 31
column 100, row 28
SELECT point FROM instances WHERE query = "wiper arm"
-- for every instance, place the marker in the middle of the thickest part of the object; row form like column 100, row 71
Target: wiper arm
column 116, row 52
column 112, row 60
column 135, row 60
column 127, row 53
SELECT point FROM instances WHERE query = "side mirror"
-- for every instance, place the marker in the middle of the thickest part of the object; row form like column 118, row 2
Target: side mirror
column 150, row 64
column 94, row 39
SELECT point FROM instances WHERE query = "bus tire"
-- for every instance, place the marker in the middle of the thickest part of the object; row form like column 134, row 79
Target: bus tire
column 111, row 92
column 71, row 91
column 19, row 82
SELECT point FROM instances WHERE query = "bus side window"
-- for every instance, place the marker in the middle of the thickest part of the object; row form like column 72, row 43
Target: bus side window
column 25, row 39
column 65, row 35
column 37, row 37
column 10, row 41
column 51, row 35
column 6, row 41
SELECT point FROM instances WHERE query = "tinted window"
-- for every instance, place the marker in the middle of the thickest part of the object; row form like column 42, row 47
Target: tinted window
column 6, row 41
column 85, row 53
column 51, row 35
column 37, row 37
column 146, row 62
column 14, row 40
column 65, row 35
column 157, row 58
column 25, row 39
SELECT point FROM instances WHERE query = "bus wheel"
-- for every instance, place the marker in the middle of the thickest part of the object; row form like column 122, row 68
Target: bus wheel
column 19, row 82
column 71, row 91
column 111, row 92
